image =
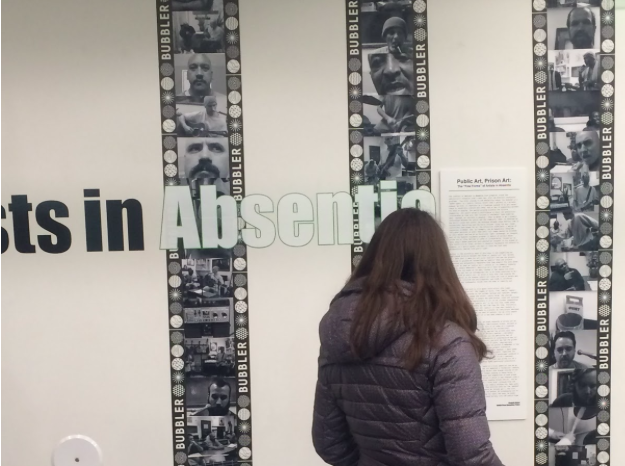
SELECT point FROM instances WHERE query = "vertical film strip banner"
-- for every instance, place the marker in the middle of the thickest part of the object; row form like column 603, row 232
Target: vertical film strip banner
column 388, row 100
column 202, row 149
column 574, row 135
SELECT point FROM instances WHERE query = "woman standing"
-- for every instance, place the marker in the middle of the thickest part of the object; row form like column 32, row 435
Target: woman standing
column 399, row 377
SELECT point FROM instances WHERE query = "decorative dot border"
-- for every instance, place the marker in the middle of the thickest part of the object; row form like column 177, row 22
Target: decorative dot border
column 543, row 218
column 174, row 264
column 420, row 176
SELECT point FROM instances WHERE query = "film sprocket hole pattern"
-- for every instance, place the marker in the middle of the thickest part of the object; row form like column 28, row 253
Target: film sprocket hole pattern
column 202, row 145
column 573, row 45
column 387, row 100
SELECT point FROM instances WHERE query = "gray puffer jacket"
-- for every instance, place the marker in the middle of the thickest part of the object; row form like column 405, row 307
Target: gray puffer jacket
column 380, row 414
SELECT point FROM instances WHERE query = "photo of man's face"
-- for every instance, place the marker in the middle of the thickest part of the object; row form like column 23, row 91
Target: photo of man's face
column 581, row 26
column 588, row 147
column 392, row 75
column 219, row 397
column 206, row 159
column 199, row 74
column 564, row 352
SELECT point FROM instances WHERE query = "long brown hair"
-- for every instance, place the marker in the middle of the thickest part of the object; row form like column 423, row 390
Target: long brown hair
column 409, row 246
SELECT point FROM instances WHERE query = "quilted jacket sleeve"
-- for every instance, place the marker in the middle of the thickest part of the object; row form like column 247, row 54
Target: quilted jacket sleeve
column 460, row 404
column 331, row 435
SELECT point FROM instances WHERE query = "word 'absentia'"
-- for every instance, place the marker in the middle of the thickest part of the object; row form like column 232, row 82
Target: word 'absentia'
column 212, row 221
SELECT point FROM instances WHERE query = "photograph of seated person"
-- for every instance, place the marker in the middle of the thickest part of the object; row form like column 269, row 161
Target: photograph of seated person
column 203, row 123
column 565, row 278
column 586, row 197
column 577, row 231
column 212, row 448
column 574, row 168
column 206, row 278
column 574, row 271
column 209, row 37
column 572, row 189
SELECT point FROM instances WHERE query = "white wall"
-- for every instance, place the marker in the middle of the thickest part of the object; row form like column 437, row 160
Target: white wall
column 85, row 335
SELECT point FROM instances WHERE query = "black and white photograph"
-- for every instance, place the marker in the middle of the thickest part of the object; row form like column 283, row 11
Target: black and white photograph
column 197, row 5
column 574, row 231
column 573, row 271
column 211, row 421
column 388, row 114
column 207, row 278
column 571, row 350
column 574, row 104
column 573, row 27
column 210, row 396
column 576, row 190
column 387, row 74
column 574, row 455
column 569, row 388
column 200, row 427
column 198, row 32
column 387, row 27
column 207, row 119
column 572, row 311
column 575, row 152
column 211, row 441
column 572, row 426
column 209, row 356
column 573, row 70
column 199, row 75
column 571, row 3
column 388, row 158
column 204, row 161
column 212, row 317
column 405, row 184
column 590, row 121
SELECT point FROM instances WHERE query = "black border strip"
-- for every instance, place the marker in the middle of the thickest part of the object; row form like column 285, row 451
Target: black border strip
column 606, row 228
column 606, row 24
column 355, row 104
column 165, row 37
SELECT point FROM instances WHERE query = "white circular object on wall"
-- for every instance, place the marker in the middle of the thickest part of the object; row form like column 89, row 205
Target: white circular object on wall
column 77, row 450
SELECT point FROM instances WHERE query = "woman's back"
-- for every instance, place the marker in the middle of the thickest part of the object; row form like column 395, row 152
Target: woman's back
column 399, row 369
column 395, row 416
